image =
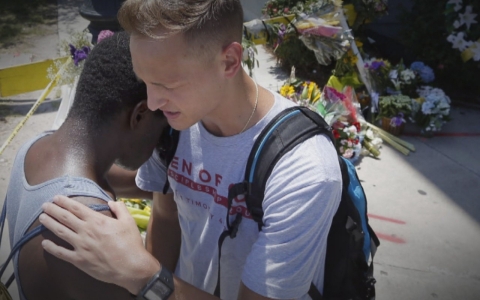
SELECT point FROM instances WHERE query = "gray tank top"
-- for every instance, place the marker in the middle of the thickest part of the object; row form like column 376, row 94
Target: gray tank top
column 24, row 202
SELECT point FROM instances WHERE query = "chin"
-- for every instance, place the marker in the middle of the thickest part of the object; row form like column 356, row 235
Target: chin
column 181, row 125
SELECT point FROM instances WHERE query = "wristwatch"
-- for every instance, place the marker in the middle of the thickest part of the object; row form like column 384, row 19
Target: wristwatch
column 160, row 286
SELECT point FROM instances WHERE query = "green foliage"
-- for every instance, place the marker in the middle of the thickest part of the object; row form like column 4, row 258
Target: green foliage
column 292, row 52
column 391, row 106
column 19, row 17
column 426, row 28
column 249, row 51
column 276, row 8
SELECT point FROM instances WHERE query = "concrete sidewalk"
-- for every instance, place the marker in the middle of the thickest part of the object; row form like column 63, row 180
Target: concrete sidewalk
column 425, row 207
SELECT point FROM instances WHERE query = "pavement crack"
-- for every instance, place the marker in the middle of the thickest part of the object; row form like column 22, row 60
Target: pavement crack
column 475, row 277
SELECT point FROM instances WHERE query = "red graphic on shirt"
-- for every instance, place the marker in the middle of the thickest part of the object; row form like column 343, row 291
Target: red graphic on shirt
column 203, row 187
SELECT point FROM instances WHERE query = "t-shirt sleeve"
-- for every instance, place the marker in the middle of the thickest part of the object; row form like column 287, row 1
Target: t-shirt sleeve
column 301, row 197
column 152, row 175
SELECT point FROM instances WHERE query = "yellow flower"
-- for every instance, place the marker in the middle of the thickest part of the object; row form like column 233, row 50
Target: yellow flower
column 420, row 100
column 287, row 90
column 354, row 59
column 313, row 92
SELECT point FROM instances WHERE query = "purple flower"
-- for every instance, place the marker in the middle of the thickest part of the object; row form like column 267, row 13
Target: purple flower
column 397, row 120
column 376, row 65
column 281, row 33
column 79, row 54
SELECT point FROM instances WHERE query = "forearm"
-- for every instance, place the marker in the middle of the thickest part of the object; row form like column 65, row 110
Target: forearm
column 123, row 183
column 164, row 239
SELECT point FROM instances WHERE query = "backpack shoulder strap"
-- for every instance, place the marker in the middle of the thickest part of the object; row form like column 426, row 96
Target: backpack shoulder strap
column 168, row 144
column 289, row 128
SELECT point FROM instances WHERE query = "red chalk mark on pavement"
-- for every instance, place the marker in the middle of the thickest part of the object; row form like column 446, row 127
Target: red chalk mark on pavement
column 390, row 238
column 385, row 219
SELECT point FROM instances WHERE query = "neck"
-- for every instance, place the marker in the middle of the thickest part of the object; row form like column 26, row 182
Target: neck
column 238, row 112
column 85, row 153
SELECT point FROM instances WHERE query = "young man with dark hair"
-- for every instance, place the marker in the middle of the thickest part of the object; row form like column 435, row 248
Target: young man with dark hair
column 108, row 123
column 189, row 54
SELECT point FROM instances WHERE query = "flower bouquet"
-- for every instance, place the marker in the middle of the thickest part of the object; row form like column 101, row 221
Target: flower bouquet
column 342, row 112
column 77, row 47
column 378, row 74
column 348, row 140
column 393, row 110
column 305, row 93
column 407, row 80
column 320, row 30
column 140, row 209
column 430, row 111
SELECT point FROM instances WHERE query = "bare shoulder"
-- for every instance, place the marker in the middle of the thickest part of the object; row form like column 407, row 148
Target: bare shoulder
column 43, row 276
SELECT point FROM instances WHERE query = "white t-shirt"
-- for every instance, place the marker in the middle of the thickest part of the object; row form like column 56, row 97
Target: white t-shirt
column 301, row 196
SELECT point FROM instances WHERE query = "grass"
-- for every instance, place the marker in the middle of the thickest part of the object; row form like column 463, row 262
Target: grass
column 19, row 18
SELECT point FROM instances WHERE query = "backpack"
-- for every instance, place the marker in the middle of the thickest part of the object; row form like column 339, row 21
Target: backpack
column 351, row 241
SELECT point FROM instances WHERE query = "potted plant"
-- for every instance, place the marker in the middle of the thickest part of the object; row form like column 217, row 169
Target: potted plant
column 392, row 110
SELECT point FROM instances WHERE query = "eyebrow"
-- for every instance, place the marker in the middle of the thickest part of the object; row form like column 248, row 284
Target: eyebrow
column 154, row 83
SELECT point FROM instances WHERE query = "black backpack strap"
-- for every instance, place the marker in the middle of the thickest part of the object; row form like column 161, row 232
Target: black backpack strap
column 232, row 229
column 288, row 129
column 168, row 147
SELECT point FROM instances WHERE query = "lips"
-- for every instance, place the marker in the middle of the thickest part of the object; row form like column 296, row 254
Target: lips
column 170, row 114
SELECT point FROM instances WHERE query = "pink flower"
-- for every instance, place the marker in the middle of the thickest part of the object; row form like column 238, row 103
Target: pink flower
column 103, row 35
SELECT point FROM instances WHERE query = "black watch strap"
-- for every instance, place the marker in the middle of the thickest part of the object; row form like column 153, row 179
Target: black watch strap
column 159, row 287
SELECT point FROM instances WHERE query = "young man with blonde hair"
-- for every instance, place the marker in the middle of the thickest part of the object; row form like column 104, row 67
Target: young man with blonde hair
column 189, row 54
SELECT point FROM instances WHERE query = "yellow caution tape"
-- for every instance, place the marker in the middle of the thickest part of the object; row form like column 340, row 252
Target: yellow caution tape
column 39, row 101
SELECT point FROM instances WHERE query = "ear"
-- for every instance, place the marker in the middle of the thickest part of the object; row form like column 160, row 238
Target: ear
column 138, row 114
column 232, row 55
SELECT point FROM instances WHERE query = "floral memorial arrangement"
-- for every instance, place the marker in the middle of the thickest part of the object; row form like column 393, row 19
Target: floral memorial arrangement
column 431, row 110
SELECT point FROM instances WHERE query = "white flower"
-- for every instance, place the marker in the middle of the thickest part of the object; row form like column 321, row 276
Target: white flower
column 393, row 74
column 369, row 134
column 245, row 54
column 476, row 51
column 376, row 142
column 457, row 3
column 349, row 144
column 427, row 107
column 468, row 18
column 459, row 41
column 342, row 149
column 407, row 76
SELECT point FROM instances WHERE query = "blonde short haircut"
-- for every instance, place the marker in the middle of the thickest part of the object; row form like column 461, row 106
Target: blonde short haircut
column 206, row 24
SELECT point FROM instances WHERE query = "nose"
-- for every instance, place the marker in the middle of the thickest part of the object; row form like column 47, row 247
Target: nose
column 155, row 99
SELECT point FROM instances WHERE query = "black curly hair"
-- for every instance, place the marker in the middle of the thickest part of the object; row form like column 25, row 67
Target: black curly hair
column 107, row 84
